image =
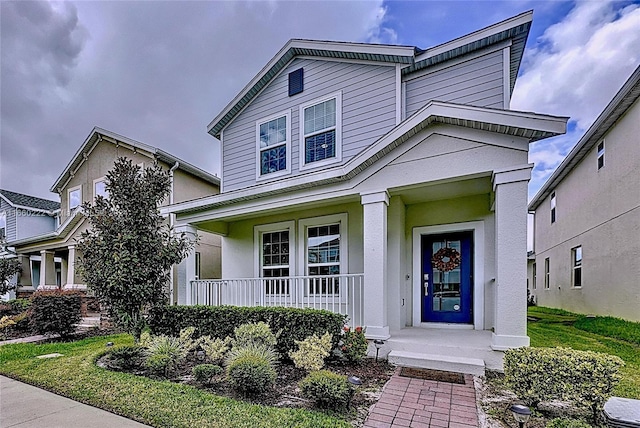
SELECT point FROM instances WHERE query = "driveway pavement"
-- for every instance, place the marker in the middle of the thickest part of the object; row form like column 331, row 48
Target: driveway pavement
column 25, row 406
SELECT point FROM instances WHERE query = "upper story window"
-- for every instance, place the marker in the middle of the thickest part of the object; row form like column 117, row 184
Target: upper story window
column 576, row 264
column 546, row 273
column 74, row 196
column 3, row 224
column 601, row 154
column 100, row 188
column 553, row 207
column 320, row 131
column 274, row 145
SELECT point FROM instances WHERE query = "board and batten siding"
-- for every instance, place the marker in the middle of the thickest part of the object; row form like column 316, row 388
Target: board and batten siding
column 10, row 213
column 478, row 81
column 368, row 112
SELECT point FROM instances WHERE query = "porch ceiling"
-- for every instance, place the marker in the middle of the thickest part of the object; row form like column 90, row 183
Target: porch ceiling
column 444, row 190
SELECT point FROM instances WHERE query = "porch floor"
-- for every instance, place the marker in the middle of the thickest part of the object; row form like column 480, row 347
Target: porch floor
column 441, row 348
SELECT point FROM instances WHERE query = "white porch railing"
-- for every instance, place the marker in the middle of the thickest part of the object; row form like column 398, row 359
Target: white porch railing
column 336, row 293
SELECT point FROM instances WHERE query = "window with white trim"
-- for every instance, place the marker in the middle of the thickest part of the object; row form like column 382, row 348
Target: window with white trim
column 320, row 131
column 546, row 273
column 100, row 188
column 553, row 207
column 197, row 261
column 274, row 145
column 3, row 225
column 74, row 196
column 601, row 154
column 275, row 242
column 576, row 265
column 535, row 278
column 324, row 253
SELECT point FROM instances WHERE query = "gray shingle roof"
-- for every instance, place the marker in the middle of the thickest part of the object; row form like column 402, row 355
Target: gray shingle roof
column 29, row 201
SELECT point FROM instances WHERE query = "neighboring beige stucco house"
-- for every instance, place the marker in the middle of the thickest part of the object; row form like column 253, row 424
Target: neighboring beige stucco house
column 587, row 218
column 49, row 259
column 388, row 183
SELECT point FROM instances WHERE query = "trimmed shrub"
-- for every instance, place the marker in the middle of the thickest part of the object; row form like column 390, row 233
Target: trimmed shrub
column 214, row 349
column 55, row 312
column 327, row 389
column 540, row 374
column 220, row 322
column 250, row 369
column 353, row 345
column 203, row 373
column 311, row 352
column 254, row 334
column 567, row 423
column 127, row 357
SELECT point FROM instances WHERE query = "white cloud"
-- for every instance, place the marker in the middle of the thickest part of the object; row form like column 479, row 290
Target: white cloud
column 575, row 69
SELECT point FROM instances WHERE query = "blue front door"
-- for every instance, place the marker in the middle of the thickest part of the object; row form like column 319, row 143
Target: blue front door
column 447, row 267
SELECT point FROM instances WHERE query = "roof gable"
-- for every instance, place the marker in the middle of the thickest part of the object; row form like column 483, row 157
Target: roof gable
column 617, row 107
column 26, row 201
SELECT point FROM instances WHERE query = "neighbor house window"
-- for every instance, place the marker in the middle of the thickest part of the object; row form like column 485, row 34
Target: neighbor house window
column 320, row 131
column 553, row 207
column 3, row 224
column 601, row 154
column 274, row 253
column 535, row 279
column 576, row 264
column 100, row 188
column 75, row 197
column 274, row 145
column 546, row 273
column 198, row 265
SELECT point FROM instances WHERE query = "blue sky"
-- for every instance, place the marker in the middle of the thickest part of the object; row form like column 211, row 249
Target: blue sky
column 158, row 72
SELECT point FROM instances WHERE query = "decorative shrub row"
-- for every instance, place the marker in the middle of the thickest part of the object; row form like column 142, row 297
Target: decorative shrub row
column 289, row 324
column 542, row 374
column 55, row 312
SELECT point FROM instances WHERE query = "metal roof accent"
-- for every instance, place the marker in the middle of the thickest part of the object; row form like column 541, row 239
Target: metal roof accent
column 617, row 107
column 20, row 200
column 98, row 134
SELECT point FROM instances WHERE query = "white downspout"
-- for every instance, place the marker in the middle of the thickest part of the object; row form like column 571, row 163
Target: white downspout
column 171, row 223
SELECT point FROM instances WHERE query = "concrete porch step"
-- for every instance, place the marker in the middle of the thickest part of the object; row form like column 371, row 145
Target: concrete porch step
column 449, row 363
column 88, row 322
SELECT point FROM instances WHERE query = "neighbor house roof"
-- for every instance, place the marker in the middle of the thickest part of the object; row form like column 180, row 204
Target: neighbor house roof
column 20, row 200
column 626, row 96
column 515, row 29
column 99, row 134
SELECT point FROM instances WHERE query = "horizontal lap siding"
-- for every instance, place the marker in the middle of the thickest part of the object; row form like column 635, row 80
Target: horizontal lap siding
column 10, row 212
column 368, row 112
column 478, row 81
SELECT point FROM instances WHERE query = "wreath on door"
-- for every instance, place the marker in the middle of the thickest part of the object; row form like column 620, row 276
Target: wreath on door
column 446, row 259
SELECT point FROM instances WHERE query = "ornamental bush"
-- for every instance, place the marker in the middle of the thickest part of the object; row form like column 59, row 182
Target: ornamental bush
column 354, row 345
column 214, row 349
column 55, row 312
column 127, row 357
column 220, row 322
column 254, row 333
column 311, row 352
column 540, row 374
column 164, row 353
column 327, row 389
column 204, row 373
column 250, row 369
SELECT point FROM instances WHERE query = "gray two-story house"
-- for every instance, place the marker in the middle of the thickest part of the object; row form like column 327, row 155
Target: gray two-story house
column 388, row 183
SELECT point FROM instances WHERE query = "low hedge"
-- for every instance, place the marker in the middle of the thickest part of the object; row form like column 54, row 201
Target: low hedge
column 541, row 374
column 290, row 324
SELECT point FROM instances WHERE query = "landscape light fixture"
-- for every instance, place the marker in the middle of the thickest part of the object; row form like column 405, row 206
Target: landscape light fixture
column 354, row 380
column 521, row 414
column 379, row 344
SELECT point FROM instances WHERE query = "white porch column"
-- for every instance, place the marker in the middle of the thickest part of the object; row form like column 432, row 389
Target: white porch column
column 186, row 271
column 375, row 264
column 510, row 187
column 71, row 266
column 47, row 270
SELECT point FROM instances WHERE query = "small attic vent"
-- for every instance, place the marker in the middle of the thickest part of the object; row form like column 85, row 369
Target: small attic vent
column 296, row 82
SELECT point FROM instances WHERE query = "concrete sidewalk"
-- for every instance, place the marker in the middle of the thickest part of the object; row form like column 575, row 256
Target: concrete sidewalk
column 25, row 406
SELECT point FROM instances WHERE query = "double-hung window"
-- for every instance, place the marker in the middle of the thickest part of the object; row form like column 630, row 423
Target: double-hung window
column 74, row 196
column 3, row 224
column 274, row 145
column 547, row 278
column 275, row 248
column 553, row 207
column 100, row 188
column 601, row 154
column 320, row 131
column 576, row 264
column 535, row 278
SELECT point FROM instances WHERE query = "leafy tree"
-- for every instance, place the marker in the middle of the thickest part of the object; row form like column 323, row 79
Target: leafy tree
column 128, row 250
column 8, row 268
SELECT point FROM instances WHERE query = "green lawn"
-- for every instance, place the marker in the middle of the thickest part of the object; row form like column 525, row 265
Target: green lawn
column 161, row 404
column 601, row 334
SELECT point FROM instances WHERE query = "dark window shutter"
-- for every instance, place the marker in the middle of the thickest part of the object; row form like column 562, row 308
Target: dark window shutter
column 296, row 82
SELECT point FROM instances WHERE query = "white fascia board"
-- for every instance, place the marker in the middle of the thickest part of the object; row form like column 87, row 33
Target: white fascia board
column 70, row 222
column 523, row 18
column 508, row 118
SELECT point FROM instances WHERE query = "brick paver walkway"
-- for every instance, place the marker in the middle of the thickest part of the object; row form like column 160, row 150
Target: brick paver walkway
column 407, row 402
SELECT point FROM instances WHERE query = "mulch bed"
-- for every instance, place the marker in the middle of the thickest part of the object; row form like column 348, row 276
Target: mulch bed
column 437, row 375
